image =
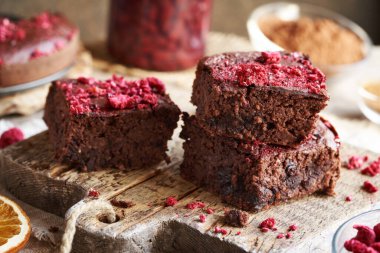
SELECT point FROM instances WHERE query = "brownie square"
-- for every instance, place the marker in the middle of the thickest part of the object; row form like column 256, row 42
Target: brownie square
column 254, row 176
column 272, row 98
column 110, row 124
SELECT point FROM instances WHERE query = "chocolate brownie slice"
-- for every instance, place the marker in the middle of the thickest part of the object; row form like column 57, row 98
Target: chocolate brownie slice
column 254, row 176
column 273, row 97
column 110, row 124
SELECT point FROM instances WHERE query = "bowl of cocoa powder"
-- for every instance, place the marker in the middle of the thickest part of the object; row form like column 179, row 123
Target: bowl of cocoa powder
column 334, row 43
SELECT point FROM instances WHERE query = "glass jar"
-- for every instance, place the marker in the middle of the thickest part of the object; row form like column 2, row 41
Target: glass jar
column 162, row 35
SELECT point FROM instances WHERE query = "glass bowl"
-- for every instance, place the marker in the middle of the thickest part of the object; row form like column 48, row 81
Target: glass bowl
column 346, row 230
column 369, row 102
column 292, row 11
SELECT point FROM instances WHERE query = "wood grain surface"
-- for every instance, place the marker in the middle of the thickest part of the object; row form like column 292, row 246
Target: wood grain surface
column 28, row 170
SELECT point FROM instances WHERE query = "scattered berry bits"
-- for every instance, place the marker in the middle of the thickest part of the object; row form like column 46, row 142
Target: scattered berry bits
column 373, row 169
column 194, row 205
column 171, row 201
column 202, row 218
column 268, row 223
column 238, row 233
column 293, row 227
column 219, row 230
column 369, row 187
column 356, row 162
column 264, row 230
column 11, row 136
column 288, row 235
column 348, row 199
column 280, row 236
column 209, row 211
column 93, row 193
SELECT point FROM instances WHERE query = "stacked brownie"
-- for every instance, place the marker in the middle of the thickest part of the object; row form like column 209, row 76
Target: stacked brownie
column 257, row 139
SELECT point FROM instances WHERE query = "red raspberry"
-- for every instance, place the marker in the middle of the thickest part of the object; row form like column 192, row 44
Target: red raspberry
column 356, row 162
column 268, row 223
column 369, row 187
column 218, row 230
column 196, row 204
column 376, row 246
column 171, row 201
column 376, row 229
column 11, row 136
column 93, row 193
column 365, row 234
column 202, row 218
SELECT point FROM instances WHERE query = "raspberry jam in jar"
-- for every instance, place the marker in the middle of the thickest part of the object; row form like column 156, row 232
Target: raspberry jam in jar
column 160, row 35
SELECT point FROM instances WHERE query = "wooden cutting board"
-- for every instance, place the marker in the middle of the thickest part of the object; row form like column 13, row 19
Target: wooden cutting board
column 28, row 170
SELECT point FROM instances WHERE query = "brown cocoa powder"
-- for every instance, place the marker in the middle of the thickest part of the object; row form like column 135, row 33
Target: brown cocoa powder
column 324, row 40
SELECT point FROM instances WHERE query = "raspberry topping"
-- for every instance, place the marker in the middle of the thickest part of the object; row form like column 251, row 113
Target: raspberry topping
column 9, row 31
column 171, row 201
column 86, row 95
column 291, row 70
column 44, row 20
column 11, row 136
column 28, row 39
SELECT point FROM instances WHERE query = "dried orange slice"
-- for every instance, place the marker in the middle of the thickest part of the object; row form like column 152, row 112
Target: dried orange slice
column 14, row 226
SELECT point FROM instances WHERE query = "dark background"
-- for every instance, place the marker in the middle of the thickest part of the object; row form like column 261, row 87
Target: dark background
column 228, row 15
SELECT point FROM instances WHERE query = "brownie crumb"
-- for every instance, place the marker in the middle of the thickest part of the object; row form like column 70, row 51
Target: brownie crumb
column 122, row 203
column 236, row 218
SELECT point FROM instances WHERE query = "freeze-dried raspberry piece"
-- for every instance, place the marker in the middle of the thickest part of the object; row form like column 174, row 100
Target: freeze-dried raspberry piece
column 11, row 136
column 354, row 245
column 356, row 162
column 365, row 234
column 376, row 229
column 369, row 187
column 171, row 201
column 373, row 169
column 196, row 204
column 268, row 223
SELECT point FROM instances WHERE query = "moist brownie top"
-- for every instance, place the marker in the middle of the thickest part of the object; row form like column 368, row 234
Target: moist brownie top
column 255, row 148
column 85, row 95
column 32, row 38
column 281, row 69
